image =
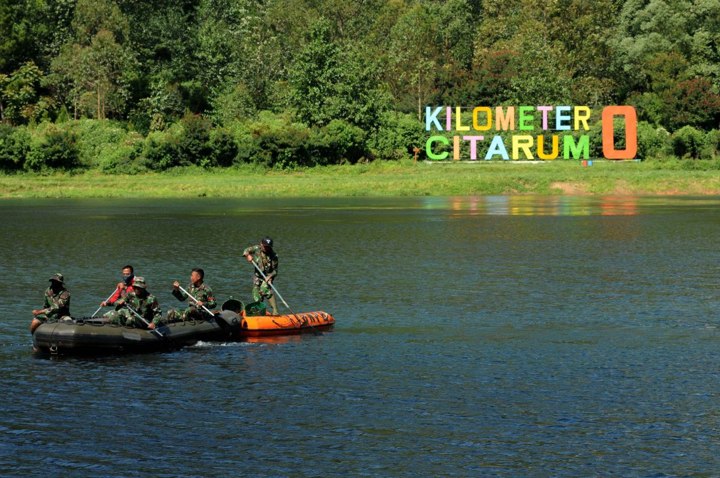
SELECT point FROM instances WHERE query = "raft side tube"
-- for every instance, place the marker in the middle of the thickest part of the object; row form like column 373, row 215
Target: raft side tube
column 256, row 326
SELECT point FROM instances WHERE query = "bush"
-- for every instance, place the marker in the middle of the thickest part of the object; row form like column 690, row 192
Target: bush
column 337, row 142
column 273, row 141
column 125, row 157
column 97, row 139
column 687, row 142
column 160, row 150
column 56, row 149
column 284, row 148
column 711, row 145
column 652, row 142
column 14, row 147
column 223, row 149
column 192, row 145
column 397, row 136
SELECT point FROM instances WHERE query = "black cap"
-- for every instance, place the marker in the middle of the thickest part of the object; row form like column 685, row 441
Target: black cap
column 266, row 241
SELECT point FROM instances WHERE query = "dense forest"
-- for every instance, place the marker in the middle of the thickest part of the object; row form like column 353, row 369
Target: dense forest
column 132, row 85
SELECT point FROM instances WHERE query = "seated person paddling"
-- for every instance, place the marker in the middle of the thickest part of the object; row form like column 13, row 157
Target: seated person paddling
column 199, row 295
column 122, row 289
column 141, row 309
column 56, row 305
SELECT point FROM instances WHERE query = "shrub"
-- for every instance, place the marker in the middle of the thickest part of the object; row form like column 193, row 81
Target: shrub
column 397, row 136
column 160, row 150
column 337, row 142
column 192, row 145
column 711, row 145
column 652, row 142
column 687, row 142
column 125, row 157
column 56, row 149
column 97, row 139
column 284, row 148
column 14, row 147
column 223, row 149
column 272, row 140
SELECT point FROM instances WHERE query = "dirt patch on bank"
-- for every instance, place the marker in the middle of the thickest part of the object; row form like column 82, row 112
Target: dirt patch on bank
column 569, row 187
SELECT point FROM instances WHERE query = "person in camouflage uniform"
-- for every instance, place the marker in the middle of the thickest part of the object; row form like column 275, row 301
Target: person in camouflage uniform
column 57, row 303
column 200, row 291
column 265, row 258
column 142, row 302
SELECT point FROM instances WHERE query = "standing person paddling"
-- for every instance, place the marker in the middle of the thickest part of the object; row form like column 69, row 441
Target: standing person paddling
column 123, row 288
column 265, row 258
column 56, row 305
column 197, row 289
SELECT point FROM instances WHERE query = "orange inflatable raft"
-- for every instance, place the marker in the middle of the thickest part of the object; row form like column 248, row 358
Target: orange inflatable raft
column 268, row 325
column 251, row 321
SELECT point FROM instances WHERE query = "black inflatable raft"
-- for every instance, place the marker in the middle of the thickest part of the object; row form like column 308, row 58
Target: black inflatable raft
column 93, row 336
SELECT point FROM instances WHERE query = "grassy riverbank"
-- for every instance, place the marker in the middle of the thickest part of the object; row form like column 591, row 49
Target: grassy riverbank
column 380, row 179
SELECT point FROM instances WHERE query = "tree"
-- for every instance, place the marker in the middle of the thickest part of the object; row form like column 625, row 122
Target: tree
column 94, row 71
column 413, row 59
column 534, row 67
column 21, row 26
column 21, row 97
column 668, row 52
column 329, row 82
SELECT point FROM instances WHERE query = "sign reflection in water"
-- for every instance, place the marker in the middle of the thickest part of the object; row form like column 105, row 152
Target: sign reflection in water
column 537, row 205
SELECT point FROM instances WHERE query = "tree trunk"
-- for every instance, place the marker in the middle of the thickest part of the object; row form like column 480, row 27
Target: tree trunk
column 419, row 100
column 99, row 113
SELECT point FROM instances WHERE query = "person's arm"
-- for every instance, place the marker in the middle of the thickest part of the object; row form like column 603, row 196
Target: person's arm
column 116, row 295
column 177, row 293
column 249, row 253
column 47, row 303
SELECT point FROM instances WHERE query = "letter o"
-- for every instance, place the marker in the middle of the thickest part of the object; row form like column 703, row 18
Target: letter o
column 608, row 132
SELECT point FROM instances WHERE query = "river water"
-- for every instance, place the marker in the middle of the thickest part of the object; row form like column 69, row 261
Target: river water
column 486, row 336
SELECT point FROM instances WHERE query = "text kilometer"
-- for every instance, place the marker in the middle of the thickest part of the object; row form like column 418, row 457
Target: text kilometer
column 567, row 118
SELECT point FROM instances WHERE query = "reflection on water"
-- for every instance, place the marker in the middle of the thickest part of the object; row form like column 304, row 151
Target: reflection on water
column 537, row 205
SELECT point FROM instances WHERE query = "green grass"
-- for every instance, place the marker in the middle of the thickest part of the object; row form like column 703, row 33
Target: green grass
column 378, row 179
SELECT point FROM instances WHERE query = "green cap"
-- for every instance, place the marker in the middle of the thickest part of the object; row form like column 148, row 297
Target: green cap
column 139, row 282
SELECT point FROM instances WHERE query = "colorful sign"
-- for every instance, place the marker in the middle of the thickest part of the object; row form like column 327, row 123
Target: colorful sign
column 525, row 120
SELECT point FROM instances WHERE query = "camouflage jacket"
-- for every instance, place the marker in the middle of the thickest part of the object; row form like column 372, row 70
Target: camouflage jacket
column 203, row 293
column 268, row 263
column 56, row 305
column 148, row 307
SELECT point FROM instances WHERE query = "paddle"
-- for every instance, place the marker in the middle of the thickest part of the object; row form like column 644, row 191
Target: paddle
column 196, row 301
column 98, row 309
column 315, row 331
column 143, row 319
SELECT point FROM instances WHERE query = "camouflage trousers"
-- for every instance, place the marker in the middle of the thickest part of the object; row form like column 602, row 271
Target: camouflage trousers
column 182, row 315
column 52, row 317
column 261, row 290
column 126, row 318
